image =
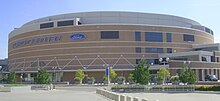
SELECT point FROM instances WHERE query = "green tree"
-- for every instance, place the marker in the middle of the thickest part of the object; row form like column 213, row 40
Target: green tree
column 187, row 75
column 112, row 74
column 160, row 74
column 80, row 74
column 11, row 77
column 43, row 77
column 141, row 73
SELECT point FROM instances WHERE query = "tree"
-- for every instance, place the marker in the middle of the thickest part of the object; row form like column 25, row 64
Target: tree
column 160, row 74
column 141, row 73
column 80, row 74
column 43, row 77
column 187, row 75
column 11, row 77
column 112, row 74
column 131, row 78
column 175, row 79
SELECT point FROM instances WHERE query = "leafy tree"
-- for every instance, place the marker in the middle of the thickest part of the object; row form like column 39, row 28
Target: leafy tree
column 43, row 77
column 11, row 77
column 112, row 74
column 160, row 74
column 131, row 78
column 187, row 75
column 141, row 74
column 80, row 74
column 175, row 79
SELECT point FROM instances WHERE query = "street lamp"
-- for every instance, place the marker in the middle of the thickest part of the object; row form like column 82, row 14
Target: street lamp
column 187, row 63
column 107, row 70
column 164, row 63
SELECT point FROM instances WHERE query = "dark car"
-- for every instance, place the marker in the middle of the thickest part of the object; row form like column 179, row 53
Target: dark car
column 211, row 78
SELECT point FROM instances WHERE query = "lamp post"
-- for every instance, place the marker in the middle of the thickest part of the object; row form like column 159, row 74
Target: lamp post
column 187, row 63
column 164, row 63
column 107, row 72
column 86, row 76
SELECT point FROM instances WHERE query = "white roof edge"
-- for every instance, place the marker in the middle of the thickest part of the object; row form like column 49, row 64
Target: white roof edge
column 27, row 29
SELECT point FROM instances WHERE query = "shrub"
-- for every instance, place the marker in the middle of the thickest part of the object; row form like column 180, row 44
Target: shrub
column 91, row 80
column 11, row 78
column 175, row 79
column 120, row 80
column 77, row 80
column 208, row 88
column 131, row 79
column 80, row 74
column 43, row 77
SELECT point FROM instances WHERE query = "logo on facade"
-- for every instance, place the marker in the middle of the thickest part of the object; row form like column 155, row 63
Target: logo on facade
column 78, row 36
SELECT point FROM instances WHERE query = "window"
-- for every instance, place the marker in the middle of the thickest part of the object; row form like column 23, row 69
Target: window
column 65, row 23
column 137, row 36
column 154, row 61
column 138, row 49
column 169, row 37
column 187, row 37
column 46, row 25
column 109, row 34
column 154, row 50
column 169, row 50
column 153, row 36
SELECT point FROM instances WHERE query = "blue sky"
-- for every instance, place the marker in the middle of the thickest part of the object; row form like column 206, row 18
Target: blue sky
column 14, row 13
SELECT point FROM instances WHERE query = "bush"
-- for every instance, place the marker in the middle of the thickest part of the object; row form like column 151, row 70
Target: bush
column 131, row 79
column 11, row 78
column 208, row 88
column 77, row 80
column 120, row 80
column 91, row 80
column 43, row 77
column 80, row 74
column 175, row 79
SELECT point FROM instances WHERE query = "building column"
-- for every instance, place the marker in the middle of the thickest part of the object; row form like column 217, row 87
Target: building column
column 216, row 72
column 28, row 77
column 207, row 72
column 212, row 71
column 203, row 75
column 197, row 74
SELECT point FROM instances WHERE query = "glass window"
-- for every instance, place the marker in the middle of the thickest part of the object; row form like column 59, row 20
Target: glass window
column 109, row 34
column 169, row 50
column 187, row 37
column 137, row 36
column 169, row 37
column 154, row 61
column 154, row 50
column 138, row 49
column 154, row 36
column 65, row 23
column 46, row 25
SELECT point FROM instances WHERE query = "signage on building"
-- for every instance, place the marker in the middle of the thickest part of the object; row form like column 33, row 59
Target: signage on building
column 77, row 36
column 46, row 39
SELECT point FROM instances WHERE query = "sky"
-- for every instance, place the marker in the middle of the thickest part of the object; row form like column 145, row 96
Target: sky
column 15, row 13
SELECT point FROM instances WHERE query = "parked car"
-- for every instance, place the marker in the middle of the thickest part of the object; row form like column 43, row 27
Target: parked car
column 211, row 78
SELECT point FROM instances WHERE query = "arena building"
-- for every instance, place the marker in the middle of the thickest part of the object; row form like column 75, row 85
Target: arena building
column 93, row 41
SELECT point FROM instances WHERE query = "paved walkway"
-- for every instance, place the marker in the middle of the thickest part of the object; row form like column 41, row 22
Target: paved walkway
column 177, row 96
column 72, row 94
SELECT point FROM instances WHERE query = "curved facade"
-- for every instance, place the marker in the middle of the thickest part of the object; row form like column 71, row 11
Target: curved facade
column 65, row 43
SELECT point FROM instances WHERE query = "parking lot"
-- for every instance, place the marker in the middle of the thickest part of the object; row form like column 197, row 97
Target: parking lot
column 61, row 94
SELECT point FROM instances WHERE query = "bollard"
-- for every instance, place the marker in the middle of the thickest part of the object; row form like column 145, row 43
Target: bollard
column 144, row 100
column 122, row 97
column 128, row 98
column 135, row 99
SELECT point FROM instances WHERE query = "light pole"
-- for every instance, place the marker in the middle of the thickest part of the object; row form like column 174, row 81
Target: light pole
column 164, row 72
column 107, row 72
column 187, row 63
